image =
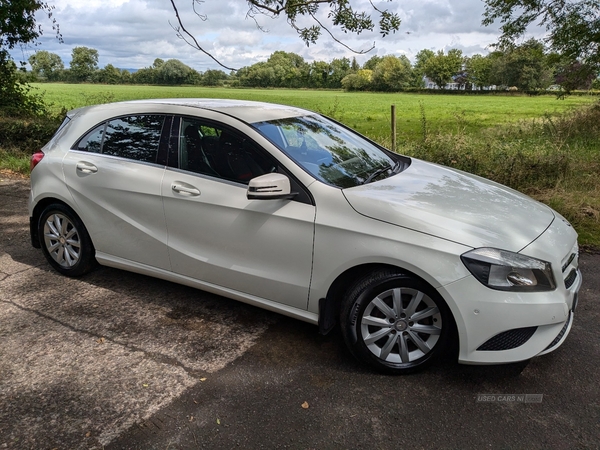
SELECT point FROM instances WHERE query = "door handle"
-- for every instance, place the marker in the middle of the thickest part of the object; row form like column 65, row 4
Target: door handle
column 86, row 167
column 192, row 191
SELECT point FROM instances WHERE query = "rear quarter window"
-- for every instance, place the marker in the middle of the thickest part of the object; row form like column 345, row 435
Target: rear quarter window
column 92, row 142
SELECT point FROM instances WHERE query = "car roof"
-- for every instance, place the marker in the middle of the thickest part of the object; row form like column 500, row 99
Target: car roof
column 247, row 111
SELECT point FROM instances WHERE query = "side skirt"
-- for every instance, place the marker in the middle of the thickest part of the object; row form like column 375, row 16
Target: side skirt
column 132, row 266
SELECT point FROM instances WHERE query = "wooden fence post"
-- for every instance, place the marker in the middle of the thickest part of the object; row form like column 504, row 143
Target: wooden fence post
column 393, row 128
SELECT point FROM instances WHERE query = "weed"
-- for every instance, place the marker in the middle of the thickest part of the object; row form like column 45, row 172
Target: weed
column 14, row 160
column 423, row 121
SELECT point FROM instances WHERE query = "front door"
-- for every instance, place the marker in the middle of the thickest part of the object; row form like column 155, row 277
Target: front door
column 215, row 234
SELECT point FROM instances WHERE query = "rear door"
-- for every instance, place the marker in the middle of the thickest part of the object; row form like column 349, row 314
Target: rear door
column 114, row 174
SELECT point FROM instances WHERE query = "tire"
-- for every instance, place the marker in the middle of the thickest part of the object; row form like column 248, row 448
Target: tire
column 65, row 241
column 395, row 323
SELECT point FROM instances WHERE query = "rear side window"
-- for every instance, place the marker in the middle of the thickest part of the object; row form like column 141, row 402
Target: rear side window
column 132, row 137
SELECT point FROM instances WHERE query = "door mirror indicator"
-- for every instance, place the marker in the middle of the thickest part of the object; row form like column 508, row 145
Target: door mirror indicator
column 271, row 186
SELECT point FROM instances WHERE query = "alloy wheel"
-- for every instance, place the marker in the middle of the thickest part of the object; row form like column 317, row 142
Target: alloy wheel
column 401, row 325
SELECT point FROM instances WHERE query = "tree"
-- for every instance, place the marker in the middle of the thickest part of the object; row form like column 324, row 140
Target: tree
column 421, row 59
column 125, row 76
column 282, row 69
column 17, row 22
column 478, row 69
column 524, row 67
column 257, row 75
column 573, row 76
column 18, row 27
column 440, row 68
column 342, row 15
column 214, row 77
column 318, row 74
column 372, row 62
column 392, row 73
column 339, row 68
column 290, row 70
column 84, row 62
column 359, row 81
column 174, row 71
column 573, row 26
column 47, row 65
column 146, row 75
column 157, row 64
column 109, row 75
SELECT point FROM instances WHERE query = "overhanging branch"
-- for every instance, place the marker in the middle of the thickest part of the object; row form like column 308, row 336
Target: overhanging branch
column 182, row 32
column 341, row 14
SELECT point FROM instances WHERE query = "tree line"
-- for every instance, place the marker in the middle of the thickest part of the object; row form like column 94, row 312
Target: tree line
column 525, row 67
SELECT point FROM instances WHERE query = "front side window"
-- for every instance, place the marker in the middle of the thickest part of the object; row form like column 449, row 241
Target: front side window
column 132, row 137
column 213, row 150
column 328, row 151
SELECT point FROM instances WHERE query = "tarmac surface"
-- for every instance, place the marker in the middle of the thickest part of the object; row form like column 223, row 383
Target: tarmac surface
column 117, row 360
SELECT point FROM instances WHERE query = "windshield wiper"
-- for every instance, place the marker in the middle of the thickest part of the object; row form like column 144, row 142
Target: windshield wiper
column 382, row 170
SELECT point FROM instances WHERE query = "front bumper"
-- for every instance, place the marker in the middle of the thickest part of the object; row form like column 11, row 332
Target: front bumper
column 483, row 314
column 503, row 327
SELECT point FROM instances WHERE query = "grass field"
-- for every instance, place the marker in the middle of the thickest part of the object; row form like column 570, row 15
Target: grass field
column 367, row 112
column 547, row 148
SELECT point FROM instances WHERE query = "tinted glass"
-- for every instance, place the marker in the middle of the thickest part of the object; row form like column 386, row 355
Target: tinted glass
column 92, row 141
column 133, row 137
column 216, row 151
column 330, row 152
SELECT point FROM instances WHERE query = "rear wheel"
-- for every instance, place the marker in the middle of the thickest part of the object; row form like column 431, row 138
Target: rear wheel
column 65, row 242
column 396, row 323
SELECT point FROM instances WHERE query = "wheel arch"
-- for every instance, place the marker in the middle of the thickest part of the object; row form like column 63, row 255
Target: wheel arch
column 330, row 306
column 34, row 220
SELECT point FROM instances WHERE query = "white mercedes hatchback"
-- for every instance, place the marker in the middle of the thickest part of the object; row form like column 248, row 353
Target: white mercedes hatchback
column 288, row 210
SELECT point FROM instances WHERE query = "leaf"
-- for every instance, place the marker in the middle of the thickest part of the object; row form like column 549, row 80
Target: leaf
column 202, row 379
column 218, row 421
column 305, row 405
column 145, row 385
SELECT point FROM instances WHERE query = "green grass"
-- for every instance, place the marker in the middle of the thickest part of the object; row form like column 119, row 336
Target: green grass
column 547, row 148
column 367, row 112
column 14, row 160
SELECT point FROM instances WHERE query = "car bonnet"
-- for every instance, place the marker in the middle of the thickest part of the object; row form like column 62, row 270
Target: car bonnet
column 453, row 205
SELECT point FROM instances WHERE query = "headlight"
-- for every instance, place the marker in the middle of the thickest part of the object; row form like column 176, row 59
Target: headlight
column 508, row 271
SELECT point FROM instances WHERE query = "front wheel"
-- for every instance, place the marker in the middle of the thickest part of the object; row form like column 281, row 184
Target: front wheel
column 395, row 323
column 65, row 242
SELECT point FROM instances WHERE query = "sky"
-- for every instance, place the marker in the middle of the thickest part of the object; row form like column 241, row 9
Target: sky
column 132, row 33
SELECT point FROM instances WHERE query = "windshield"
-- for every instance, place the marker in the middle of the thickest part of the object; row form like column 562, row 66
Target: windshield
column 328, row 151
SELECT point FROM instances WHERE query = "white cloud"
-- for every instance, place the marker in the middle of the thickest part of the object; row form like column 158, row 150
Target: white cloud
column 132, row 33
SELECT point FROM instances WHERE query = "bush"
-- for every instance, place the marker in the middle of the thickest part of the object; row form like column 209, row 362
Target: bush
column 16, row 97
column 520, row 164
column 27, row 134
